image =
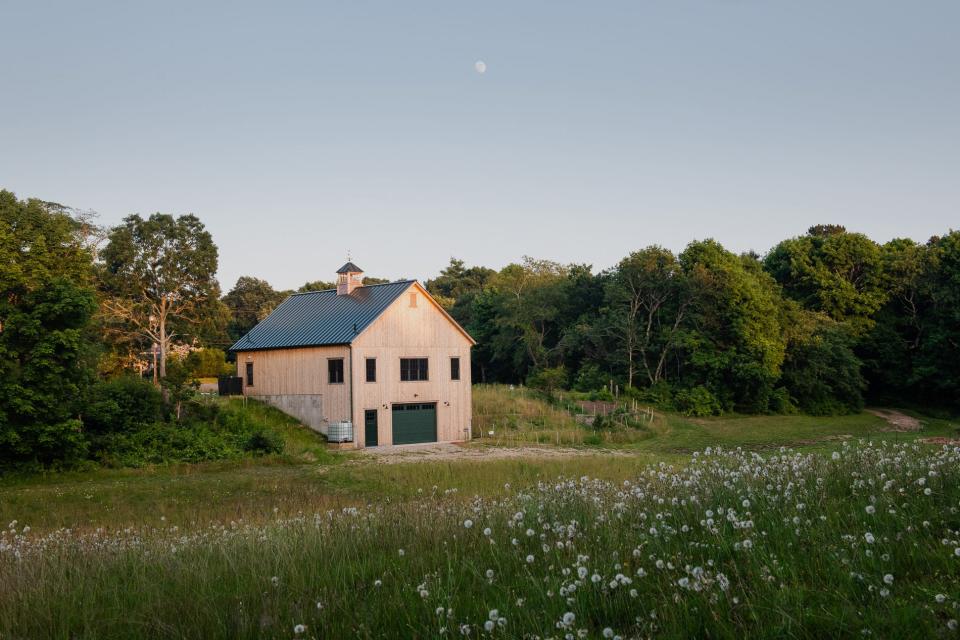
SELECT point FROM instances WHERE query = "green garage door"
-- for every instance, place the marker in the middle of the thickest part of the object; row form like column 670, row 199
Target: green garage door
column 414, row 423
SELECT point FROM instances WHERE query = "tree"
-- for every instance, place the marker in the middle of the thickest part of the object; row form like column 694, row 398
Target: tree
column 821, row 372
column 159, row 278
column 316, row 285
column 936, row 373
column 833, row 271
column 457, row 280
column 46, row 303
column 250, row 301
column 732, row 344
column 529, row 297
column 646, row 302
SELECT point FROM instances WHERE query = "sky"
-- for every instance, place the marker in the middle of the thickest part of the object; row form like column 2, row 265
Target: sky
column 300, row 131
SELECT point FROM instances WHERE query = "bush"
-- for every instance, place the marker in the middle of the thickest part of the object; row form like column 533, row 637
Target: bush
column 659, row 394
column 697, row 402
column 127, row 428
column 602, row 395
column 122, row 405
column 780, row 402
column 593, row 439
column 590, row 378
column 264, row 441
column 548, row 380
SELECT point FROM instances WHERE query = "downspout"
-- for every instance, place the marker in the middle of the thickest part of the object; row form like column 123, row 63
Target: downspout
column 350, row 346
column 352, row 380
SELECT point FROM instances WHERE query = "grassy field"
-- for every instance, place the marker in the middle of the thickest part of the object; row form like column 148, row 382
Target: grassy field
column 658, row 529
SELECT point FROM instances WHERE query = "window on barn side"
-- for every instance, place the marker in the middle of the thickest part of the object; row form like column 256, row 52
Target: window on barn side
column 413, row 369
column 335, row 370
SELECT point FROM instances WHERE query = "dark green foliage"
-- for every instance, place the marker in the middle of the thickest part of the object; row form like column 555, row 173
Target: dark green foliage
column 833, row 271
column 590, row 378
column 316, row 285
column 122, row 405
column 158, row 280
column 549, row 379
column 936, row 374
column 780, row 402
column 822, row 374
column 250, row 301
column 46, row 303
column 912, row 353
column 697, row 402
column 206, row 431
column 734, row 345
column 264, row 441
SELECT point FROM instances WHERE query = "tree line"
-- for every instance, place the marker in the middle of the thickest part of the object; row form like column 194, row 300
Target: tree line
column 819, row 324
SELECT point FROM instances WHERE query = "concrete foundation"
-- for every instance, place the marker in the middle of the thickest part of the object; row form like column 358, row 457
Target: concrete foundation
column 307, row 408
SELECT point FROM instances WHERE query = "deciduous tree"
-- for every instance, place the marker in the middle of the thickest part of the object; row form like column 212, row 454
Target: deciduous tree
column 159, row 278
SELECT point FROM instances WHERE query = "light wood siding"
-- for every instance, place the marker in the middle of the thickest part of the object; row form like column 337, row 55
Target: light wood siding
column 423, row 331
column 288, row 372
column 401, row 331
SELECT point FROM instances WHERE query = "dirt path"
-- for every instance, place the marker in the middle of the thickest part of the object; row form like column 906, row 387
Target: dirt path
column 450, row 452
column 899, row 422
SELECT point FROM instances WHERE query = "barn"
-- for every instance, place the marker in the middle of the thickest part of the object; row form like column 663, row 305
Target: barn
column 385, row 358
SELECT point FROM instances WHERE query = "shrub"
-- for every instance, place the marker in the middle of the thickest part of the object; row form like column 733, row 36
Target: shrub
column 264, row 441
column 780, row 402
column 549, row 379
column 659, row 394
column 590, row 378
column 122, row 405
column 697, row 402
column 593, row 439
column 601, row 395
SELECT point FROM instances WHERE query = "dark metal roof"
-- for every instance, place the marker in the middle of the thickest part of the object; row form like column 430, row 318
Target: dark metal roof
column 318, row 318
column 349, row 268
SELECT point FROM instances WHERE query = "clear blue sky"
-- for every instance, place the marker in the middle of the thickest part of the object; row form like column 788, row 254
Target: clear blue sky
column 298, row 130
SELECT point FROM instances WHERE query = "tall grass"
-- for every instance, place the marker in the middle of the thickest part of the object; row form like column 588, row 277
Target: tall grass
column 505, row 414
column 731, row 545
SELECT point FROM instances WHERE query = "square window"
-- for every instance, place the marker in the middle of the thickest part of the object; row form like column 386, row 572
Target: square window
column 413, row 369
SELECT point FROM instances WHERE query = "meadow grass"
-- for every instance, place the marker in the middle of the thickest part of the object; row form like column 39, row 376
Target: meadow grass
column 730, row 544
column 766, row 539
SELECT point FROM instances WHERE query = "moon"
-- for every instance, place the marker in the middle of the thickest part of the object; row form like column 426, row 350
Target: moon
column 480, row 66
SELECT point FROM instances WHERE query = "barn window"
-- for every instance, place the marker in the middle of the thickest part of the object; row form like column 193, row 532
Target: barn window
column 413, row 300
column 249, row 374
column 335, row 370
column 454, row 368
column 371, row 369
column 413, row 369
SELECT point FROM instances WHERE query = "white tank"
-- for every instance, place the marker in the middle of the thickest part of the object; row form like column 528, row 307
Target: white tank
column 340, row 431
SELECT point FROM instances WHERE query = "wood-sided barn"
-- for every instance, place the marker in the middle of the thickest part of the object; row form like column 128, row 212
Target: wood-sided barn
column 385, row 357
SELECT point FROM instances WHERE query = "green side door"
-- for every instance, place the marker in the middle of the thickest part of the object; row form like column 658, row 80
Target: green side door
column 414, row 423
column 370, row 427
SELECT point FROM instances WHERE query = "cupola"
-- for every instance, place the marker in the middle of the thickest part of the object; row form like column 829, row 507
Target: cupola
column 349, row 277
